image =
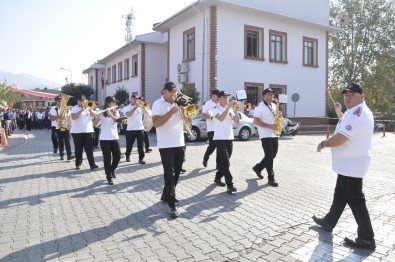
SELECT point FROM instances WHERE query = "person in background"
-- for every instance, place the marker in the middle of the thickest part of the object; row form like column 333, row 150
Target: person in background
column 207, row 114
column 96, row 130
column 351, row 157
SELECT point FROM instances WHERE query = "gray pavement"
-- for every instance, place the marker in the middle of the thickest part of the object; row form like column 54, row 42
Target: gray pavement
column 51, row 212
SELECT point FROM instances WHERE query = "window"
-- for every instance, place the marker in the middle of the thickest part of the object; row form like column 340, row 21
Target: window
column 280, row 90
column 120, row 71
column 310, row 52
column 189, row 45
column 278, row 46
column 108, row 75
column 126, row 68
column 135, row 63
column 114, row 74
column 254, row 91
column 253, row 42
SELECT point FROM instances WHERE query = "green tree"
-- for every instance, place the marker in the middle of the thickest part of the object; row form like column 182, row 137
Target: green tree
column 121, row 94
column 364, row 50
column 8, row 95
column 192, row 93
column 75, row 90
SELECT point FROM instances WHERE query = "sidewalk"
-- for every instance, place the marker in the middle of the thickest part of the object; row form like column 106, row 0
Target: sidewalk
column 51, row 212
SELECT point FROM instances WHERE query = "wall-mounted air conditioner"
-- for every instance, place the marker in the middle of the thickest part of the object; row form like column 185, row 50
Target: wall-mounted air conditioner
column 182, row 78
column 182, row 68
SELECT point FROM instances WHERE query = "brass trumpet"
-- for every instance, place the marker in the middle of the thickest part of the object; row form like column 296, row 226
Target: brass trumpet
column 237, row 106
column 91, row 104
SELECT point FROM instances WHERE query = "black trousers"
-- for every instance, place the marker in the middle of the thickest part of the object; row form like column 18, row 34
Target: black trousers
column 96, row 136
column 111, row 155
column 54, row 138
column 270, row 148
column 172, row 159
column 131, row 136
column 83, row 141
column 64, row 141
column 146, row 140
column 211, row 147
column 224, row 152
column 348, row 190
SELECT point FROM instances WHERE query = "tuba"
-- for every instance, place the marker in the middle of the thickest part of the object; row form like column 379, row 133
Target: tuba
column 64, row 123
column 278, row 121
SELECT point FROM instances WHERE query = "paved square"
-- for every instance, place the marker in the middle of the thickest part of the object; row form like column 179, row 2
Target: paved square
column 51, row 212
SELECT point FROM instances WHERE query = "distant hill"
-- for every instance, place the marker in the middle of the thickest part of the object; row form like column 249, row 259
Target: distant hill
column 27, row 81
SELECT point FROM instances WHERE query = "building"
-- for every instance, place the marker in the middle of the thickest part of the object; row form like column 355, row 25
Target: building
column 138, row 66
column 36, row 99
column 251, row 45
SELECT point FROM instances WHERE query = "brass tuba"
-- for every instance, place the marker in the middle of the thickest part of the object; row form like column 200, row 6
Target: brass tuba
column 278, row 121
column 64, row 123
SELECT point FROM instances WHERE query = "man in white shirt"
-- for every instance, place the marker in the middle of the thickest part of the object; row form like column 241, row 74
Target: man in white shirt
column 224, row 116
column 53, row 112
column 264, row 116
column 207, row 114
column 351, row 156
column 168, row 121
column 134, row 113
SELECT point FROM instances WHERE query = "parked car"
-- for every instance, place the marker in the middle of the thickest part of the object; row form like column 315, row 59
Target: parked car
column 244, row 130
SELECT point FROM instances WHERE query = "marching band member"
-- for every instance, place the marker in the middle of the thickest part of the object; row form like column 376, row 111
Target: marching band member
column 147, row 113
column 62, row 132
column 264, row 116
column 224, row 116
column 54, row 112
column 168, row 121
column 81, row 130
column 109, row 139
column 134, row 113
column 207, row 114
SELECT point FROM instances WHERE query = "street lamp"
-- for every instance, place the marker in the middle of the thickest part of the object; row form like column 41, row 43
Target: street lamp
column 71, row 74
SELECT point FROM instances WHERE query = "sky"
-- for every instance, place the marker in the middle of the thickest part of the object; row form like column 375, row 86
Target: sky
column 38, row 37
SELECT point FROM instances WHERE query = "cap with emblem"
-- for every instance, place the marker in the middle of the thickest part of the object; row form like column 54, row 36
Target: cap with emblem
column 352, row 87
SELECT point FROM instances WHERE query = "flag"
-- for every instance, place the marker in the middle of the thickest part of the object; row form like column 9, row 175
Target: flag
column 102, row 79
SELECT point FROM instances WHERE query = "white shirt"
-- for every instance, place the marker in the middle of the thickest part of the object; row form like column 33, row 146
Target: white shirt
column 352, row 158
column 83, row 124
column 266, row 115
column 54, row 112
column 223, row 130
column 135, row 122
column 109, row 130
column 207, row 109
column 171, row 133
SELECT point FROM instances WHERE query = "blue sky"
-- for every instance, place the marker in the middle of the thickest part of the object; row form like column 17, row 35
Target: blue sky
column 40, row 36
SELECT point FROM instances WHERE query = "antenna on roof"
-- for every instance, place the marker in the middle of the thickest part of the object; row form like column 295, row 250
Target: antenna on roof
column 129, row 26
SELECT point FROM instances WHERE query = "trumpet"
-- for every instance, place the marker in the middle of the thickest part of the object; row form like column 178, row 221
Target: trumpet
column 237, row 106
column 91, row 104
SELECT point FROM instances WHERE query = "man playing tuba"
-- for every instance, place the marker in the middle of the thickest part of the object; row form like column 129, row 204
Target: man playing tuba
column 61, row 119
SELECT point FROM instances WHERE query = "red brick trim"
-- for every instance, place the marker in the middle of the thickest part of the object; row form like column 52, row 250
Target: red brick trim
column 143, row 63
column 213, row 47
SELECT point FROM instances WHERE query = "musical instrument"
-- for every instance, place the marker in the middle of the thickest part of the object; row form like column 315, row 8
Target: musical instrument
column 237, row 106
column 191, row 110
column 278, row 121
column 64, row 123
column 91, row 104
column 109, row 108
column 147, row 121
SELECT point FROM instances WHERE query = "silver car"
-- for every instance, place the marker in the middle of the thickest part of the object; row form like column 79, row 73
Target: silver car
column 244, row 130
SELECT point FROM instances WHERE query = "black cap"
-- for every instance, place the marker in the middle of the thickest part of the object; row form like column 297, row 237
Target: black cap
column 57, row 98
column 81, row 97
column 110, row 99
column 215, row 92
column 169, row 86
column 352, row 87
column 223, row 93
column 268, row 90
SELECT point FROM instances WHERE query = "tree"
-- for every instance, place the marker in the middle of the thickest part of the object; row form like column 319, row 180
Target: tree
column 75, row 90
column 192, row 93
column 7, row 96
column 121, row 95
column 364, row 50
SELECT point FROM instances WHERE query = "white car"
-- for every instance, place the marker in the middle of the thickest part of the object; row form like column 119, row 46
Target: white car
column 244, row 130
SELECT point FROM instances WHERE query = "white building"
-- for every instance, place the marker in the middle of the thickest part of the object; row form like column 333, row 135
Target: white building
column 138, row 66
column 251, row 45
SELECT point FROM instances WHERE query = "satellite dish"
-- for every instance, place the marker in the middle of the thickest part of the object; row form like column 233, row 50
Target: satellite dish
column 343, row 20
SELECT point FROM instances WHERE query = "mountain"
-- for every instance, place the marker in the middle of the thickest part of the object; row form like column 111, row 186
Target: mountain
column 27, row 81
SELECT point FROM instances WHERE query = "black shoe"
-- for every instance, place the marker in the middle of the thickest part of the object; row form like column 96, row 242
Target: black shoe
column 273, row 183
column 110, row 182
column 71, row 157
column 322, row 223
column 95, row 166
column 219, row 183
column 257, row 172
column 61, row 157
column 174, row 213
column 204, row 162
column 231, row 189
column 361, row 243
column 148, row 150
column 164, row 199
column 55, row 150
column 113, row 174
column 182, row 170
column 127, row 159
column 77, row 167
column 141, row 162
